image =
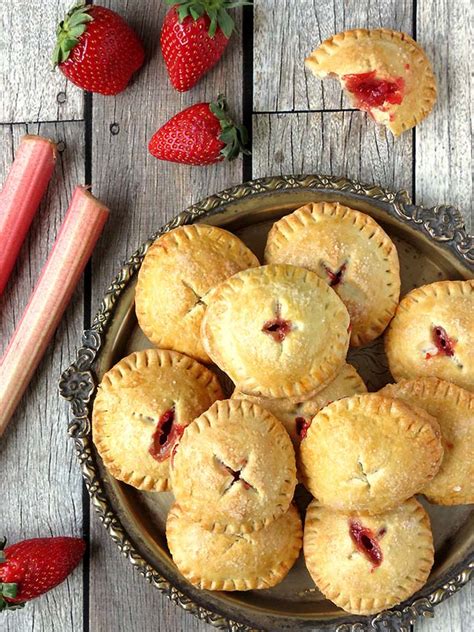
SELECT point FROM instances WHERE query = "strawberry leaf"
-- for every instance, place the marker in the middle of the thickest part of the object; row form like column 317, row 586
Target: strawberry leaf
column 9, row 590
column 69, row 31
column 226, row 23
column 233, row 136
column 216, row 10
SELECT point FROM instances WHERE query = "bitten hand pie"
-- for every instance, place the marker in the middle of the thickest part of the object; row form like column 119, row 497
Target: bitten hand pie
column 385, row 73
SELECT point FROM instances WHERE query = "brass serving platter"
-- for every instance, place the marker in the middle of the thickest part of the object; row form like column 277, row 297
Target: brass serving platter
column 432, row 245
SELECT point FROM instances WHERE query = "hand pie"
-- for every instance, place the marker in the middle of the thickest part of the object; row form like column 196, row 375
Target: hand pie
column 221, row 561
column 366, row 564
column 277, row 331
column 234, row 470
column 369, row 453
column 351, row 252
column 142, row 406
column 453, row 408
column 179, row 270
column 432, row 334
column 385, row 73
column 297, row 416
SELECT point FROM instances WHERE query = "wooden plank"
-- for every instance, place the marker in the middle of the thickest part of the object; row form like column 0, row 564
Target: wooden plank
column 454, row 615
column 333, row 143
column 29, row 89
column 286, row 32
column 42, row 490
column 143, row 193
column 444, row 139
column 443, row 173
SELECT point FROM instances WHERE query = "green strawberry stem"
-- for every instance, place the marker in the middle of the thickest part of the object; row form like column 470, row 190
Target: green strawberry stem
column 216, row 10
column 9, row 589
column 70, row 30
column 234, row 136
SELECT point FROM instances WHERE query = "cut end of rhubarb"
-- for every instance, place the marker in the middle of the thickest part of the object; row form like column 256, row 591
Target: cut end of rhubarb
column 84, row 191
column 34, row 138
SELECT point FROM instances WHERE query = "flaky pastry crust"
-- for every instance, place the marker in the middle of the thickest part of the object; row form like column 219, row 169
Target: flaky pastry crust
column 296, row 416
column 234, row 470
column 277, row 331
column 146, row 390
column 351, row 252
column 393, row 56
column 369, row 453
column 348, row 576
column 247, row 561
column 179, row 270
column 432, row 334
column 453, row 407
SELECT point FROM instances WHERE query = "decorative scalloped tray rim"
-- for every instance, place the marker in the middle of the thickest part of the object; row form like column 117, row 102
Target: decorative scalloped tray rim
column 443, row 224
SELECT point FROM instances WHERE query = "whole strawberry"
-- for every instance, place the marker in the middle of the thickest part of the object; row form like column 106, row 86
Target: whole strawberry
column 200, row 135
column 194, row 36
column 97, row 50
column 32, row 567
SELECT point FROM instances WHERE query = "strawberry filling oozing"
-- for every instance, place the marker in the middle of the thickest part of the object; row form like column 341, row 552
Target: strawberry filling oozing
column 366, row 542
column 336, row 277
column 443, row 342
column 236, row 475
column 372, row 92
column 166, row 434
column 278, row 328
column 302, row 427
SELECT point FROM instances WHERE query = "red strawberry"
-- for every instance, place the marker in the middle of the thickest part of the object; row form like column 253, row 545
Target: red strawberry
column 97, row 50
column 32, row 567
column 194, row 36
column 200, row 135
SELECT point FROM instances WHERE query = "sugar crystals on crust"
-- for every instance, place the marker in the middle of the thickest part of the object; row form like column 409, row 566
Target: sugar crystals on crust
column 366, row 564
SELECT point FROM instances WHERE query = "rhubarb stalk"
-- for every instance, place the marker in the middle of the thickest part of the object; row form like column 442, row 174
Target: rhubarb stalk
column 21, row 195
column 72, row 249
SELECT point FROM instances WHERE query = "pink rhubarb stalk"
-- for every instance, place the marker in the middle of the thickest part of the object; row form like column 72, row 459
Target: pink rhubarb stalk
column 21, row 195
column 72, row 249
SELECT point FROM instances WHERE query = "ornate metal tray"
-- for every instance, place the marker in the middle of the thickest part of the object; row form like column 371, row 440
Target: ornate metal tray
column 432, row 244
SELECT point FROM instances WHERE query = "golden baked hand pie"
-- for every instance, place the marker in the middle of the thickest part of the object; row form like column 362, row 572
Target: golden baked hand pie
column 385, row 73
column 365, row 564
column 453, row 407
column 432, row 334
column 234, row 470
column 297, row 416
column 142, row 406
column 277, row 331
column 222, row 561
column 351, row 252
column 179, row 270
column 369, row 453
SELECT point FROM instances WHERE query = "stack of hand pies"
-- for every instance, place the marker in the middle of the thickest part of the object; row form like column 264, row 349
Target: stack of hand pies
column 299, row 412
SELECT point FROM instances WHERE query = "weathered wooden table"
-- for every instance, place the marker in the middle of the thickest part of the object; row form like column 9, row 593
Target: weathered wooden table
column 300, row 125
